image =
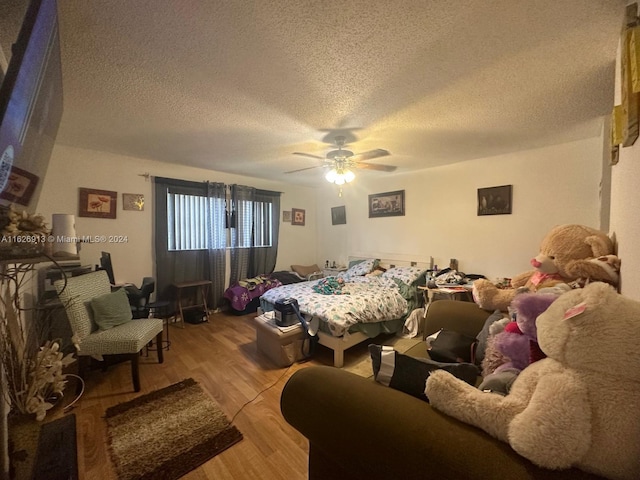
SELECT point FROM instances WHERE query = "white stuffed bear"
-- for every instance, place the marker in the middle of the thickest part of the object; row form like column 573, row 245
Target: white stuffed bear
column 580, row 406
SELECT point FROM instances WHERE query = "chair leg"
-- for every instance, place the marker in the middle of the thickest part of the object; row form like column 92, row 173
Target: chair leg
column 135, row 374
column 159, row 345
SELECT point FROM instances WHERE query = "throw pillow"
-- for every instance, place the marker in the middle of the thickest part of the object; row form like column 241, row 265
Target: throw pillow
column 407, row 275
column 409, row 375
column 451, row 346
column 305, row 271
column 362, row 268
column 111, row 309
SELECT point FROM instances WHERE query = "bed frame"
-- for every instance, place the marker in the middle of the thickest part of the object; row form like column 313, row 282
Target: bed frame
column 340, row 344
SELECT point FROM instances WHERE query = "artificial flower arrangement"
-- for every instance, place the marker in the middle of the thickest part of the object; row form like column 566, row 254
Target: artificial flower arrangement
column 21, row 233
column 33, row 374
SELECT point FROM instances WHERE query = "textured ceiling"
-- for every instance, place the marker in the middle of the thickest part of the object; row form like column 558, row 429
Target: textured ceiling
column 237, row 86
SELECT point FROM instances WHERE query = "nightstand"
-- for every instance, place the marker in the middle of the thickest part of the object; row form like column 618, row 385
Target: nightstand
column 333, row 271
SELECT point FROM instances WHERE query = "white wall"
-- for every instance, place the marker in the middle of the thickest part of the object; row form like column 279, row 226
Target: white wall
column 625, row 221
column 552, row 185
column 625, row 203
column 71, row 168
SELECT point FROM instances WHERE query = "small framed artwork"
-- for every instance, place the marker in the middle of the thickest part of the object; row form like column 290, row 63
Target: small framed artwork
column 97, row 203
column 495, row 200
column 338, row 215
column 297, row 216
column 133, row 201
column 387, row 204
column 20, row 186
column 286, row 216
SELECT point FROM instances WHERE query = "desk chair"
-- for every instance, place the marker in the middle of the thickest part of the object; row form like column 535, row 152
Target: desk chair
column 126, row 339
column 138, row 297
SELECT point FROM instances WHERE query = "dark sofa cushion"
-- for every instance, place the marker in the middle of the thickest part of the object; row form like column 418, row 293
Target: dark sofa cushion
column 410, row 374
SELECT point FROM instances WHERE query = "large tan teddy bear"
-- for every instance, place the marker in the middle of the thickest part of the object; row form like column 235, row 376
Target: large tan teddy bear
column 580, row 406
column 567, row 253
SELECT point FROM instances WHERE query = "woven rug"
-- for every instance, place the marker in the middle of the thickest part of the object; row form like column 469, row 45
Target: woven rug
column 166, row 433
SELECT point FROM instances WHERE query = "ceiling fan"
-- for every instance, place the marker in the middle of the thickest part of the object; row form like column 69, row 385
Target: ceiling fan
column 342, row 161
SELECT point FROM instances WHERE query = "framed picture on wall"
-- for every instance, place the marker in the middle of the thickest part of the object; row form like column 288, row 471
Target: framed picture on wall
column 338, row 215
column 97, row 203
column 20, row 186
column 495, row 200
column 297, row 216
column 387, row 204
column 133, row 201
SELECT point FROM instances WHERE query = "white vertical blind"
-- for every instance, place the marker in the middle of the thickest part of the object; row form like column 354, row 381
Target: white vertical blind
column 187, row 217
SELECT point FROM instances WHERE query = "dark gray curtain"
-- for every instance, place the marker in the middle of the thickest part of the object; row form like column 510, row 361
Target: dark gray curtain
column 217, row 251
column 263, row 259
column 255, row 215
column 174, row 266
column 240, row 222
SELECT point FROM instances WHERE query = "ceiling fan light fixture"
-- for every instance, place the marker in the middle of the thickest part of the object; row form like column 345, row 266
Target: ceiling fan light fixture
column 331, row 175
column 349, row 176
column 339, row 176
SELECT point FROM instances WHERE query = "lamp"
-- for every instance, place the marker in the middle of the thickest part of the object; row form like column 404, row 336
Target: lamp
column 340, row 175
column 64, row 233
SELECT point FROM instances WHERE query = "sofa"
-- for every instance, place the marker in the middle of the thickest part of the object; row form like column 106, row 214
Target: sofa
column 360, row 429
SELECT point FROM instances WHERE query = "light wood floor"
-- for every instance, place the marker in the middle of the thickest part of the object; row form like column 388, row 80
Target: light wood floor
column 222, row 356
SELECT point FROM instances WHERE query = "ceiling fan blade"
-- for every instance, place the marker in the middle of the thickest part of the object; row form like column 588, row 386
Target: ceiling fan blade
column 377, row 153
column 303, row 169
column 373, row 166
column 308, row 155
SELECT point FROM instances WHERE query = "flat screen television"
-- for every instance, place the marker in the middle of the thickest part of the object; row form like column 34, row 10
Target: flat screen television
column 30, row 106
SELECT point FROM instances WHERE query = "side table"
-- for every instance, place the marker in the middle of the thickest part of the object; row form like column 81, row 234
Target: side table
column 188, row 292
column 162, row 310
column 454, row 292
column 333, row 271
column 282, row 348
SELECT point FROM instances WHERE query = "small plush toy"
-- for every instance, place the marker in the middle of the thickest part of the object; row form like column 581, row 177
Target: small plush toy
column 566, row 254
column 580, row 406
column 517, row 344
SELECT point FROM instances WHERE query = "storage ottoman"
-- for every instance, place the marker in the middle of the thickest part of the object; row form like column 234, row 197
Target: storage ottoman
column 282, row 348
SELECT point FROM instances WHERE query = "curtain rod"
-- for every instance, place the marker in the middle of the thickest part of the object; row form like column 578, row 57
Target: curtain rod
column 147, row 176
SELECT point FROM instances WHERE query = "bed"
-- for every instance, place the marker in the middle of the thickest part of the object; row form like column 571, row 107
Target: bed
column 361, row 303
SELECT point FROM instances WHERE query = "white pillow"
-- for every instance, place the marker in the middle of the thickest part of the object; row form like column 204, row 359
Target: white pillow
column 362, row 268
column 406, row 275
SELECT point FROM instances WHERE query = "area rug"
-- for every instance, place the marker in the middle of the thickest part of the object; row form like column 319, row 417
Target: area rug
column 166, row 433
column 362, row 365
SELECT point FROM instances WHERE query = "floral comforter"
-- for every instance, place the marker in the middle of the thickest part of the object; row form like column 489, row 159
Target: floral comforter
column 361, row 300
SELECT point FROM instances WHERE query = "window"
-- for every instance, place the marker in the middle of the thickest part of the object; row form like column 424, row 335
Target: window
column 254, row 224
column 189, row 215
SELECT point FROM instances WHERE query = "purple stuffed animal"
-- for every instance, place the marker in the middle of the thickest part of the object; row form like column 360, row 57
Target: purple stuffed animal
column 517, row 344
